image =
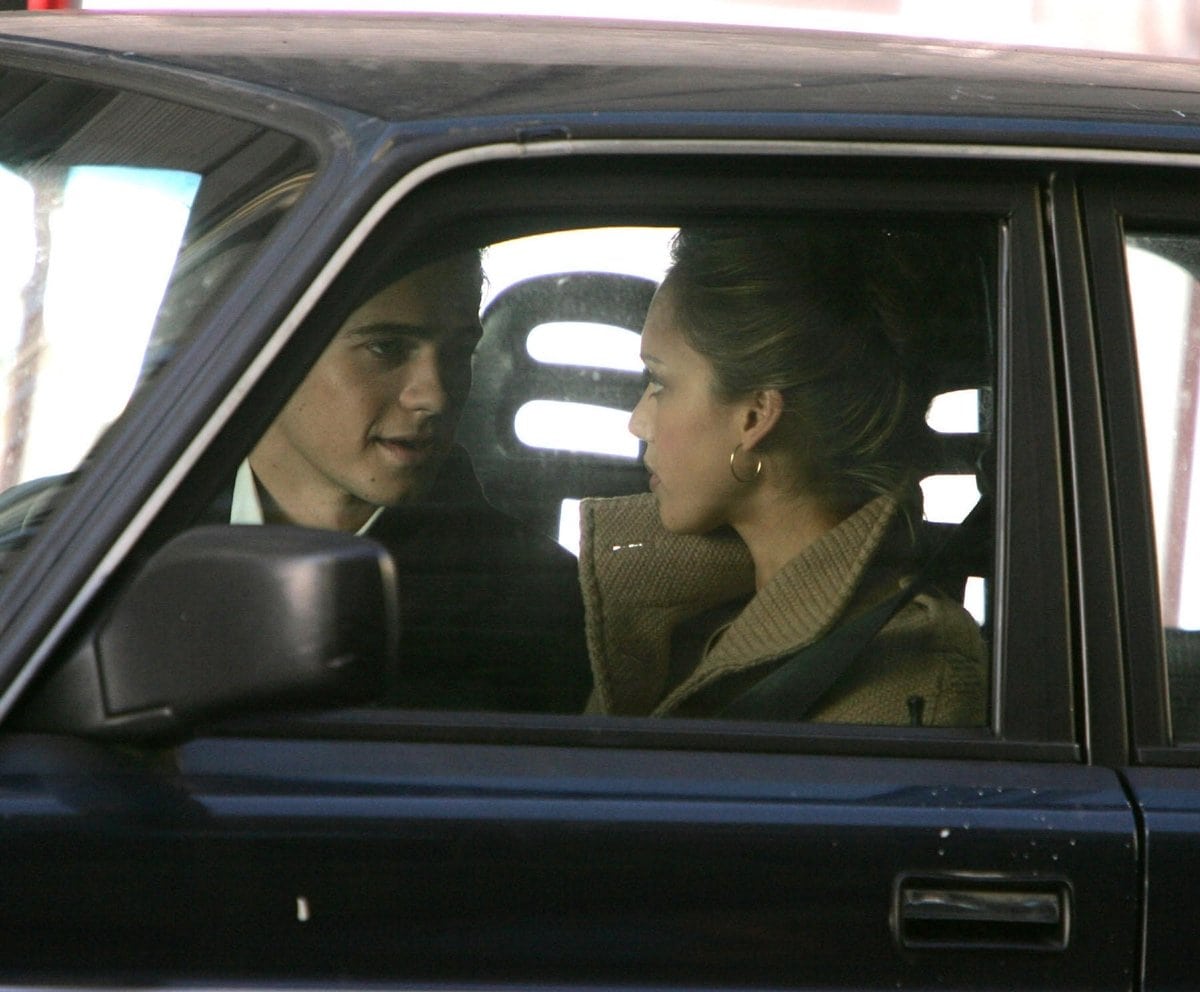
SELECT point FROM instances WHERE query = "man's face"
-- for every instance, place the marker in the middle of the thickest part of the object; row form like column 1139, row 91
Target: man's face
column 372, row 423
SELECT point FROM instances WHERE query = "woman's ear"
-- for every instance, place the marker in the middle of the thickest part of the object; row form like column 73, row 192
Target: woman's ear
column 762, row 412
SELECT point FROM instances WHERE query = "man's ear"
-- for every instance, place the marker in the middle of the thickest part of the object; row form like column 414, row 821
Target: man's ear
column 762, row 412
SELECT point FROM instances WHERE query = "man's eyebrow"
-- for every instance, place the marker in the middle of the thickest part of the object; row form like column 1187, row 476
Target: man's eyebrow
column 398, row 330
column 648, row 359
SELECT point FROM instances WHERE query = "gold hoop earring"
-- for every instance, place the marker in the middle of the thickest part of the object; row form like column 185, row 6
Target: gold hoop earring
column 733, row 467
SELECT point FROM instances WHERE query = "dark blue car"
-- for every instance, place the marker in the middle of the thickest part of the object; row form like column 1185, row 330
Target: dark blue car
column 224, row 763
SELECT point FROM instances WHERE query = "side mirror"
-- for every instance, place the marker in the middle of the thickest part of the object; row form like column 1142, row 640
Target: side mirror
column 224, row 620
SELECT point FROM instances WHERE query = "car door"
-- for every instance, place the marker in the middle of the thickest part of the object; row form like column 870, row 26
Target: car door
column 1142, row 234
column 596, row 849
column 389, row 844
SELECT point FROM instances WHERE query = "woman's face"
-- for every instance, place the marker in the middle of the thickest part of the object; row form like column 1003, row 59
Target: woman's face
column 689, row 433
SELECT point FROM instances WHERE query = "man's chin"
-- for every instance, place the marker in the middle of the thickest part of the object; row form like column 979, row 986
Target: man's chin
column 410, row 486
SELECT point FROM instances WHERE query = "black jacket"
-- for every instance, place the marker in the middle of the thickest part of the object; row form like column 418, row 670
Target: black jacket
column 491, row 612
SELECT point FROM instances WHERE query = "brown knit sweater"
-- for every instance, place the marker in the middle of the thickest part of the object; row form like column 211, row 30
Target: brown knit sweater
column 641, row 583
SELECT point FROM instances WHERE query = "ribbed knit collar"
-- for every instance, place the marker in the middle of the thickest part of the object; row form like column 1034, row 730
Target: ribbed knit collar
column 640, row 581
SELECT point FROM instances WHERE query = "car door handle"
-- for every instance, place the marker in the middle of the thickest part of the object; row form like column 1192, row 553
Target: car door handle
column 982, row 912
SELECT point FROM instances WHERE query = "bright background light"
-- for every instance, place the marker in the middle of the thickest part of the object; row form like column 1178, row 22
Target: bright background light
column 1161, row 295
column 1163, row 27
column 114, row 236
column 629, row 251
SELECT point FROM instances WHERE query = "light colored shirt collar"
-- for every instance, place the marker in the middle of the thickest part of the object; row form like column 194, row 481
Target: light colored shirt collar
column 247, row 508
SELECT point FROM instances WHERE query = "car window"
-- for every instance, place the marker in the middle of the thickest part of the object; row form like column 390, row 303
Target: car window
column 1163, row 269
column 125, row 222
column 500, row 504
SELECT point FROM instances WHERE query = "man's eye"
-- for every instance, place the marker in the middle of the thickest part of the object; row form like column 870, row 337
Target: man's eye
column 650, row 384
column 390, row 349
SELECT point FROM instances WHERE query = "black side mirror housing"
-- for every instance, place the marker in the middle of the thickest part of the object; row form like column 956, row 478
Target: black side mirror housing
column 225, row 620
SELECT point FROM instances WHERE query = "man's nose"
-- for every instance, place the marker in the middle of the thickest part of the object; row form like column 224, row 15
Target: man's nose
column 423, row 387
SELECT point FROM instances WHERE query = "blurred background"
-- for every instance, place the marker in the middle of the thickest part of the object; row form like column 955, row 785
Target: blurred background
column 1153, row 27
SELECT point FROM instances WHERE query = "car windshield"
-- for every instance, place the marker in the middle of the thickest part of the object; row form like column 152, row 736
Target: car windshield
column 126, row 217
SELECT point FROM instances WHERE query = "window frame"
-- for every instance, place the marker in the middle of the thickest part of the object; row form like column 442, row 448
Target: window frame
column 1113, row 203
column 87, row 540
column 1032, row 706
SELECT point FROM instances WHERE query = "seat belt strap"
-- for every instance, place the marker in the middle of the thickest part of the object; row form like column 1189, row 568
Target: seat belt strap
column 803, row 677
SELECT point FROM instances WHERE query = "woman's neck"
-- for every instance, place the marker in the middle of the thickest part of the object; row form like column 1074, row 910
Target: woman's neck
column 777, row 526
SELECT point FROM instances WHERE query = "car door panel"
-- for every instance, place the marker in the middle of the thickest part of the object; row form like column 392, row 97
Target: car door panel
column 1168, row 802
column 263, row 858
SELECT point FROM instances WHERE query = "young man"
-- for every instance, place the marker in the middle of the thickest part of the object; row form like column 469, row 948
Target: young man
column 491, row 614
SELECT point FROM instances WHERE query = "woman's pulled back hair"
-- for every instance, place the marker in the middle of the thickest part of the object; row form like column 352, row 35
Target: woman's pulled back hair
column 822, row 312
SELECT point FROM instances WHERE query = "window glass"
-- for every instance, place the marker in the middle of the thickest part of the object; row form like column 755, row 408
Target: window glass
column 112, row 234
column 1165, row 296
column 117, row 241
column 534, row 419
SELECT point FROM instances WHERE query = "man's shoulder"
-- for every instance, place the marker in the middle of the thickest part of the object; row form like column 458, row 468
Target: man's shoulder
column 456, row 522
column 466, row 531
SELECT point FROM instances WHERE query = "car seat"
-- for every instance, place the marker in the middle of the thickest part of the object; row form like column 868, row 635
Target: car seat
column 527, row 482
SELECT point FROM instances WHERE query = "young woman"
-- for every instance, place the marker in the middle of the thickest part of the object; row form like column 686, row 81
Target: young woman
column 783, row 424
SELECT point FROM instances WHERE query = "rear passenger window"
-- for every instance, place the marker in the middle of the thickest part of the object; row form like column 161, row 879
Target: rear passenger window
column 1164, row 270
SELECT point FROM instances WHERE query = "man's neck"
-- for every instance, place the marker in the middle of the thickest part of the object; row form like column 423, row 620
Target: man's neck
column 326, row 511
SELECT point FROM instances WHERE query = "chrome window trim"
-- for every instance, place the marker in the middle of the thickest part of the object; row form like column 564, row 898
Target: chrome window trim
column 967, row 151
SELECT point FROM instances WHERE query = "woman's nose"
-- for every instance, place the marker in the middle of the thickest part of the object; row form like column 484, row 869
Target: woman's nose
column 637, row 420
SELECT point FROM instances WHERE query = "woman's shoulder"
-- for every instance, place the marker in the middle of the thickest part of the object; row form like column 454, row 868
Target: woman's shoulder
column 926, row 667
column 935, row 622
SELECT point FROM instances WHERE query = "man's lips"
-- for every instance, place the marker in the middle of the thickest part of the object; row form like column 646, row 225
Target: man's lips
column 408, row 450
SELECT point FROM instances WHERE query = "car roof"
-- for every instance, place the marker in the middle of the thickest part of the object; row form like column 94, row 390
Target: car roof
column 425, row 67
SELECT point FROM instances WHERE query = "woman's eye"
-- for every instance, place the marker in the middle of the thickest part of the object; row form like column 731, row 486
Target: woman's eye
column 650, row 385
